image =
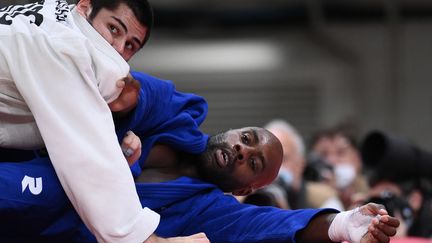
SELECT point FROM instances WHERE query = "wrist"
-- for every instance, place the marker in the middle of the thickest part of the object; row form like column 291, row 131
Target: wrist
column 152, row 239
column 349, row 226
column 337, row 231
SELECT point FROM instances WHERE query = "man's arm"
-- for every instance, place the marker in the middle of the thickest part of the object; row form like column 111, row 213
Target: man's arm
column 78, row 131
column 224, row 219
column 317, row 229
column 196, row 238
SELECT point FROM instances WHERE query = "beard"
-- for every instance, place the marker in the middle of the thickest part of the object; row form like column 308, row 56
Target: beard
column 207, row 167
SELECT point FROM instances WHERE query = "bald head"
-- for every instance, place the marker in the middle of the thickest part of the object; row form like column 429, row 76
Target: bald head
column 241, row 160
column 294, row 161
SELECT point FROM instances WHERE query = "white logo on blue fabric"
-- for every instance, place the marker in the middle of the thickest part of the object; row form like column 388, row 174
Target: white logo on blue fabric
column 34, row 184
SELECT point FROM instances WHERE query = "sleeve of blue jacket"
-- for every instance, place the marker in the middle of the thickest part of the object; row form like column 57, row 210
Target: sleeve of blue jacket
column 188, row 206
column 167, row 116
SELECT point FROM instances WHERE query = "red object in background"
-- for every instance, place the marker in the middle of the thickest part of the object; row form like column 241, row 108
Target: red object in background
column 410, row 240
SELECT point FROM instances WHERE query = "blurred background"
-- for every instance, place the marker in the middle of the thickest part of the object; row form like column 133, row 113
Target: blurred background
column 314, row 63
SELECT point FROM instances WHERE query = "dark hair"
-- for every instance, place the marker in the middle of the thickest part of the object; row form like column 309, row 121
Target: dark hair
column 345, row 130
column 141, row 9
column 395, row 158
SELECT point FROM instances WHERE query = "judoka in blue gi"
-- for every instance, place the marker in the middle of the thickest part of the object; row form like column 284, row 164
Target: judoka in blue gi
column 184, row 178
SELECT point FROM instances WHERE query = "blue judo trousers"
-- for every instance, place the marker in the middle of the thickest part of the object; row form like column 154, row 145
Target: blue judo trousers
column 34, row 207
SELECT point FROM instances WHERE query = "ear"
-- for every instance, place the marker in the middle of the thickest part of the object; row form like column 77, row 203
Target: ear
column 84, row 7
column 243, row 192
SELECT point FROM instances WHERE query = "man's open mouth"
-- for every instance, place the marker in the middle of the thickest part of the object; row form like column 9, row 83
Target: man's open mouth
column 222, row 158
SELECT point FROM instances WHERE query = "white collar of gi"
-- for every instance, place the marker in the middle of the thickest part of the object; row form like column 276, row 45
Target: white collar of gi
column 95, row 38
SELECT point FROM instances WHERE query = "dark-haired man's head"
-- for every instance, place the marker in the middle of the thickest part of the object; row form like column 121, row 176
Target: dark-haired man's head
column 125, row 24
column 241, row 160
column 338, row 148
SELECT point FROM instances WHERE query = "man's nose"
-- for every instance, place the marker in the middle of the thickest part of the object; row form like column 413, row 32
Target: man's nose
column 119, row 46
column 242, row 153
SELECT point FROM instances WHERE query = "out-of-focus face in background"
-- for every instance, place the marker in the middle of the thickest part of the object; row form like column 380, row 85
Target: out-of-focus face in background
column 342, row 155
column 391, row 196
column 293, row 163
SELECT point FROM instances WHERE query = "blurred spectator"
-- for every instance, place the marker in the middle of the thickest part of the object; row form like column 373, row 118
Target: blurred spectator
column 337, row 148
column 290, row 184
column 406, row 201
column 390, row 195
column 402, row 170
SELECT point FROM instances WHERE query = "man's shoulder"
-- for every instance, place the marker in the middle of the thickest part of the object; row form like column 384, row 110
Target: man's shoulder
column 43, row 16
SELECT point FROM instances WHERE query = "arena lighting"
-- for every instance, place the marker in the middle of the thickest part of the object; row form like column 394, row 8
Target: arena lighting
column 203, row 57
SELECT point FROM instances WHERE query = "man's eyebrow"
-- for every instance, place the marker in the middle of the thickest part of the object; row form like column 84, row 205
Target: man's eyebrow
column 254, row 135
column 120, row 23
column 137, row 40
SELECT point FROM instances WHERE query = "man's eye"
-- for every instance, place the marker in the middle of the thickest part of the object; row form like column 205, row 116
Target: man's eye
column 113, row 29
column 129, row 46
column 245, row 138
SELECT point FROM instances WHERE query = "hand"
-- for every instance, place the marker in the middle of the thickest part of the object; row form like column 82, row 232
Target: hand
column 196, row 238
column 131, row 147
column 128, row 98
column 369, row 223
column 382, row 227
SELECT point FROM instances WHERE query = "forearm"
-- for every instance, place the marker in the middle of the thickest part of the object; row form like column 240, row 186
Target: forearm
column 317, row 229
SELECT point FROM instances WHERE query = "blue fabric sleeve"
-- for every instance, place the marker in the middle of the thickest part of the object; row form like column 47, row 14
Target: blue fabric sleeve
column 227, row 220
column 188, row 206
column 166, row 116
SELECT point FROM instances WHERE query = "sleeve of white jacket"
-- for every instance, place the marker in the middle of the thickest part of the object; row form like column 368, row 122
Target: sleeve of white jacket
column 78, row 131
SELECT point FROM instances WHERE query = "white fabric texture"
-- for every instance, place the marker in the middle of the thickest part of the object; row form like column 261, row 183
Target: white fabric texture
column 57, row 74
column 349, row 226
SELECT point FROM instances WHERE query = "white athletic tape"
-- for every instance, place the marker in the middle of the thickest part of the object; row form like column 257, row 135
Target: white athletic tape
column 349, row 226
column 127, row 152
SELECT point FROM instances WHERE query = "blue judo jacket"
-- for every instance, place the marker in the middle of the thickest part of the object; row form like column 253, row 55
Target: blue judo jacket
column 186, row 206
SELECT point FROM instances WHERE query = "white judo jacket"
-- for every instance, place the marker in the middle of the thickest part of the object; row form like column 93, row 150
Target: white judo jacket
column 57, row 75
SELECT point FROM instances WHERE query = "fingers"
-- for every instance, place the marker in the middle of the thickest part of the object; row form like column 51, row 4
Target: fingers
column 386, row 224
column 373, row 209
column 377, row 235
column 120, row 84
column 128, row 97
column 381, row 229
column 369, row 238
column 196, row 238
column 131, row 140
column 131, row 147
column 130, row 81
column 382, row 226
column 200, row 236
column 382, row 211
